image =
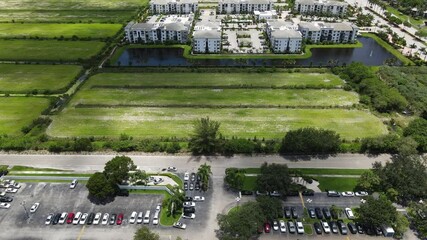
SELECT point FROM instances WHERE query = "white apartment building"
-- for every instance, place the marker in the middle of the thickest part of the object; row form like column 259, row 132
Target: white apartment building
column 244, row 6
column 328, row 32
column 207, row 37
column 267, row 15
column 171, row 28
column 173, row 6
column 284, row 36
column 320, row 6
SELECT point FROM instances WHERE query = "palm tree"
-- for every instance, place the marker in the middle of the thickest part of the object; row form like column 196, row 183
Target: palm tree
column 205, row 171
column 175, row 201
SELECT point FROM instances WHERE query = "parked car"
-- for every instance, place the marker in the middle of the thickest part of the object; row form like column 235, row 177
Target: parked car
column 378, row 231
column 347, row 194
column 326, row 213
column 120, row 219
column 199, row 177
column 325, row 226
column 259, row 193
column 132, row 218
column 275, row 194
column 349, row 213
column 282, row 226
column 287, row 212
column 147, row 217
column 334, row 226
column 197, row 186
column 49, row 219
column 308, row 192
column 83, row 219
column 55, row 219
column 361, row 194
column 342, row 227
column 294, row 212
column 6, row 199
column 189, row 210
column 333, row 194
column 105, row 219
column 34, row 208
column 63, row 218
column 73, row 184
column 70, row 218
column 193, row 177
column 300, row 228
column 189, row 204
column 97, row 218
column 156, row 217
column 246, row 192
column 15, row 185
column 188, row 215
column 172, row 169
column 186, row 176
column 352, row 227
column 359, row 228
column 179, row 225
column 317, row 228
column 319, row 213
column 267, row 227
column 275, row 225
column 90, row 218
column 199, row 198
column 140, row 218
column 291, row 226
column 11, row 190
column 185, row 186
column 76, row 218
column 113, row 218
column 311, row 213
column 191, row 188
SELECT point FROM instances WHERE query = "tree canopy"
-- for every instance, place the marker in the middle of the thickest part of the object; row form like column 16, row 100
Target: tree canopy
column 375, row 212
column 274, row 177
column 205, row 137
column 417, row 129
column 145, row 233
column 235, row 178
column 310, row 141
column 99, row 186
column 271, row 207
column 117, row 169
column 205, row 172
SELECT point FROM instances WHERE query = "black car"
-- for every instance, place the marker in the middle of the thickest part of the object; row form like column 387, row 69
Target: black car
column 342, row 227
column 6, row 199
column 294, row 212
column 56, row 218
column 378, row 231
column 90, row 218
column 352, row 227
column 188, row 199
column 334, row 227
column 185, row 186
column 333, row 194
column 197, row 186
column 246, row 192
column 319, row 213
column 193, row 177
column 327, row 213
column 292, row 194
column 189, row 210
column 369, row 230
column 198, row 177
column 311, row 213
column 113, row 219
column 308, row 192
column 317, row 228
column 287, row 212
column 359, row 228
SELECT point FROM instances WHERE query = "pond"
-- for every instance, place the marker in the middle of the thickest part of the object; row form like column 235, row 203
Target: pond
column 371, row 54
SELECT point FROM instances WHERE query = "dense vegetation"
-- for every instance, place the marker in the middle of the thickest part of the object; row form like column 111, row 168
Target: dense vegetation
column 310, row 141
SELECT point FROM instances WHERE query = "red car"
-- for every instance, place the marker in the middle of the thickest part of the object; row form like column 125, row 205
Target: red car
column 267, row 227
column 120, row 219
column 70, row 218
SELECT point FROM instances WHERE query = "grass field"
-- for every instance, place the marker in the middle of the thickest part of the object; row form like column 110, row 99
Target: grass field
column 49, row 50
column 71, row 4
column 16, row 113
column 51, row 30
column 340, row 184
column 244, row 122
column 316, row 171
column 217, row 79
column 24, row 78
column 215, row 97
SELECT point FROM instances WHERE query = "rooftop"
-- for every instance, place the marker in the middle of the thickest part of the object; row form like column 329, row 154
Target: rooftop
column 286, row 33
column 207, row 29
column 246, row 1
column 322, row 2
column 163, row 2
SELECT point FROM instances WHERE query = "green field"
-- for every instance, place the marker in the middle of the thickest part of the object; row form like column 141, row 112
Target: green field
column 24, row 78
column 48, row 50
column 16, row 113
column 71, row 4
column 340, row 184
column 51, row 30
column 279, row 79
column 244, row 122
column 216, row 97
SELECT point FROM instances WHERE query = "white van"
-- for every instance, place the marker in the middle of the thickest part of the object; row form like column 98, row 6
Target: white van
column 140, row 217
column 132, row 217
column 147, row 217
column 156, row 218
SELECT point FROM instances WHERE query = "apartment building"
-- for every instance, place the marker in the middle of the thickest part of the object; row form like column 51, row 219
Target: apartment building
column 284, row 36
column 207, row 37
column 328, row 32
column 331, row 7
column 244, row 6
column 173, row 6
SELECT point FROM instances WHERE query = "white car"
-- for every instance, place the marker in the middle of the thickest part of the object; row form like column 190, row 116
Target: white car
column 147, row 217
column 156, row 217
column 73, row 184
column 158, row 207
column 188, row 215
column 361, row 194
column 199, row 198
column 11, row 190
column 347, row 194
column 132, row 218
column 63, row 218
column 97, row 218
column 300, row 228
column 34, row 208
column 48, row 219
column 105, row 218
column 2, row 194
column 140, row 218
column 83, row 219
column 172, row 169
column 326, row 227
column 179, row 225
column 77, row 218
column 186, row 176
column 349, row 213
column 275, row 225
column 282, row 226
column 15, row 185
column 4, row 205
column 189, row 204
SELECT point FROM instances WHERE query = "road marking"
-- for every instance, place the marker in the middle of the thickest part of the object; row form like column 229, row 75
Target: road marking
column 302, row 199
column 81, row 232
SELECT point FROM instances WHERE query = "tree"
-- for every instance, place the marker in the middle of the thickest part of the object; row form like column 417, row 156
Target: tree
column 310, row 141
column 375, row 212
column 274, row 177
column 235, row 178
column 205, row 138
column 417, row 129
column 175, row 202
column 241, row 224
column 99, row 187
column 368, row 181
column 271, row 207
column 117, row 169
column 144, row 233
column 138, row 177
column 205, row 171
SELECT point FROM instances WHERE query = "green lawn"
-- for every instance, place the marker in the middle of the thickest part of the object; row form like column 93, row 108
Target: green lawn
column 49, row 50
column 317, row 171
column 215, row 97
column 18, row 168
column 16, row 113
column 23, row 78
column 249, row 183
column 71, row 4
column 51, row 30
column 337, row 183
column 169, row 122
column 404, row 17
column 279, row 79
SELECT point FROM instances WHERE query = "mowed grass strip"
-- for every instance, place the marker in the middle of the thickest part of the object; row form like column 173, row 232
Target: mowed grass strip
column 74, row 4
column 51, row 30
column 217, row 79
column 48, row 50
column 241, row 122
column 212, row 97
column 16, row 113
column 24, row 78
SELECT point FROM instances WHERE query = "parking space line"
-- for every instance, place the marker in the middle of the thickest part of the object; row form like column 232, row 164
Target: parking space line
column 302, row 200
column 81, row 232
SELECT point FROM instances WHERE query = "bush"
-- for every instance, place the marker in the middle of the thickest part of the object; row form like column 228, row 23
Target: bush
column 310, row 141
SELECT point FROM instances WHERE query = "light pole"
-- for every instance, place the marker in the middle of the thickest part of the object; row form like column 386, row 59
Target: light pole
column 25, row 209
